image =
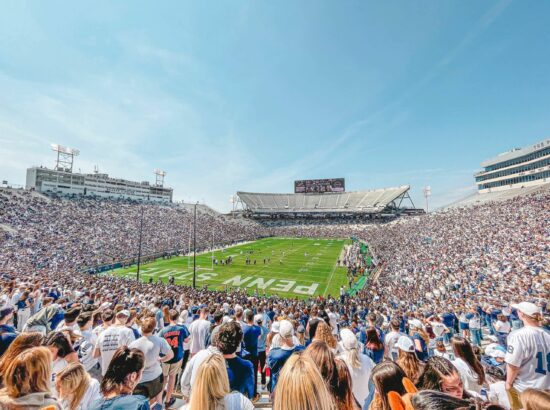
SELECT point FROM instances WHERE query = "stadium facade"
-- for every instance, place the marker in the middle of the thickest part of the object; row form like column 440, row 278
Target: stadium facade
column 519, row 168
column 65, row 183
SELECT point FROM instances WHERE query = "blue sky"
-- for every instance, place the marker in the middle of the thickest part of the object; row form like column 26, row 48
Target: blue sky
column 237, row 95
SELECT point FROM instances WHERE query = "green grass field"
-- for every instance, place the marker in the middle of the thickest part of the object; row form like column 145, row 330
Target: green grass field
column 298, row 268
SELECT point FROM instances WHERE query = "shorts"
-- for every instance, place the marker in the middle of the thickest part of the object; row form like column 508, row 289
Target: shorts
column 171, row 369
column 463, row 326
column 151, row 388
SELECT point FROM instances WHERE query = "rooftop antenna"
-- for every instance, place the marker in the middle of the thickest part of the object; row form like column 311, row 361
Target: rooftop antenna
column 159, row 176
column 65, row 157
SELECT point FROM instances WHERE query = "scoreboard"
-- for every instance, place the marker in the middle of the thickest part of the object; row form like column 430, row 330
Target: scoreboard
column 316, row 186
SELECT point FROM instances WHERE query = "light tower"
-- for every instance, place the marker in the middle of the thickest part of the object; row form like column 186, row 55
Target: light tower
column 65, row 157
column 427, row 193
column 159, row 177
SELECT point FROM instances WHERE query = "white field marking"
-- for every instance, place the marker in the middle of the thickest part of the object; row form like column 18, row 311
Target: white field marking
column 303, row 270
column 330, row 279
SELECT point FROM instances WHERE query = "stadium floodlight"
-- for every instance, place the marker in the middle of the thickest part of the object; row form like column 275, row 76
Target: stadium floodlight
column 160, row 174
column 427, row 193
column 65, row 157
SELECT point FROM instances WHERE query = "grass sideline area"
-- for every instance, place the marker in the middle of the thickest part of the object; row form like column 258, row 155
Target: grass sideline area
column 299, row 267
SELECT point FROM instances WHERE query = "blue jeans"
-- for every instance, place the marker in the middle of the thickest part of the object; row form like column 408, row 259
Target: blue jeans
column 370, row 397
column 476, row 336
column 502, row 338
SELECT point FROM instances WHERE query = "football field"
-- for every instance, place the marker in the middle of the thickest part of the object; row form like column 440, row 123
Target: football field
column 288, row 267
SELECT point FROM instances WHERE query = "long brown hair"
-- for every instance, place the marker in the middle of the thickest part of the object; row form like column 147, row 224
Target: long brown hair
column 386, row 377
column 72, row 383
column 125, row 361
column 463, row 349
column 21, row 343
column 30, row 372
column 323, row 357
column 344, row 397
column 533, row 399
column 373, row 340
column 410, row 364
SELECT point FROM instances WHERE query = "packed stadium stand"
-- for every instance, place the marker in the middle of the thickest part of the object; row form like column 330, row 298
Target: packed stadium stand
column 346, row 203
column 497, row 196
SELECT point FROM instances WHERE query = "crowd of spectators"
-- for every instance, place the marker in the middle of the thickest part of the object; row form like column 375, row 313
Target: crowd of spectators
column 456, row 318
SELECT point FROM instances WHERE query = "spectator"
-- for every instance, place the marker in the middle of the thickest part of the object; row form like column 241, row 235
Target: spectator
column 527, row 349
column 534, row 399
column 156, row 350
column 278, row 356
column 262, row 347
column 121, row 377
column 440, row 374
column 75, row 388
column 469, row 367
column 21, row 343
column 27, row 381
column 407, row 359
column 211, row 389
column 360, row 366
column 374, row 346
column 7, row 332
column 112, row 338
column 301, row 387
column 176, row 335
column 251, row 334
column 386, row 377
column 199, row 330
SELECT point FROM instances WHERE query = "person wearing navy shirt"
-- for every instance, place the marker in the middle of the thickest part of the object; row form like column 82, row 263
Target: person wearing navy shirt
column 175, row 335
column 448, row 319
column 240, row 371
column 7, row 332
column 251, row 333
column 279, row 355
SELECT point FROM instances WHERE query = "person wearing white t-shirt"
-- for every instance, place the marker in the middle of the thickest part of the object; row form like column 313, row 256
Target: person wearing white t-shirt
column 199, row 330
column 359, row 365
column 87, row 344
column 112, row 338
column 502, row 327
column 151, row 382
column 390, row 340
column 468, row 366
column 333, row 319
column 528, row 354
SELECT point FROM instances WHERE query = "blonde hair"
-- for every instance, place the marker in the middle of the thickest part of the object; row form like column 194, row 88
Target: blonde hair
column 351, row 358
column 410, row 364
column 211, row 384
column 301, row 386
column 71, row 384
column 30, row 372
column 533, row 399
column 324, row 333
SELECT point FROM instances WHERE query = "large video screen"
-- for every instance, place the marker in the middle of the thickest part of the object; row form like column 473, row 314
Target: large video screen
column 316, row 186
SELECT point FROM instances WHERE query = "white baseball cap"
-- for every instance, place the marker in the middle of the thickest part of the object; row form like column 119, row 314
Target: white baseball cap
column 275, row 327
column 258, row 319
column 405, row 343
column 286, row 329
column 415, row 323
column 527, row 308
column 349, row 341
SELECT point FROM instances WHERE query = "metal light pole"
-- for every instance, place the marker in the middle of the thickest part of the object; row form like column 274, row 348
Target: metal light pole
column 427, row 193
column 139, row 249
column 195, row 247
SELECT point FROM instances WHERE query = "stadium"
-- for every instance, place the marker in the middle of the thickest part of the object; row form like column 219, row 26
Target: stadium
column 112, row 242
column 284, row 205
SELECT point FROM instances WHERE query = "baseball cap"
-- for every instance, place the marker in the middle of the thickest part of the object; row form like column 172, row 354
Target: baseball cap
column 349, row 341
column 405, row 343
column 275, row 327
column 123, row 313
column 527, row 308
column 5, row 311
column 286, row 329
column 301, row 329
column 415, row 323
column 258, row 319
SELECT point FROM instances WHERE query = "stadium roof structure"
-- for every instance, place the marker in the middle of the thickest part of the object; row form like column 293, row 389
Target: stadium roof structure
column 359, row 202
